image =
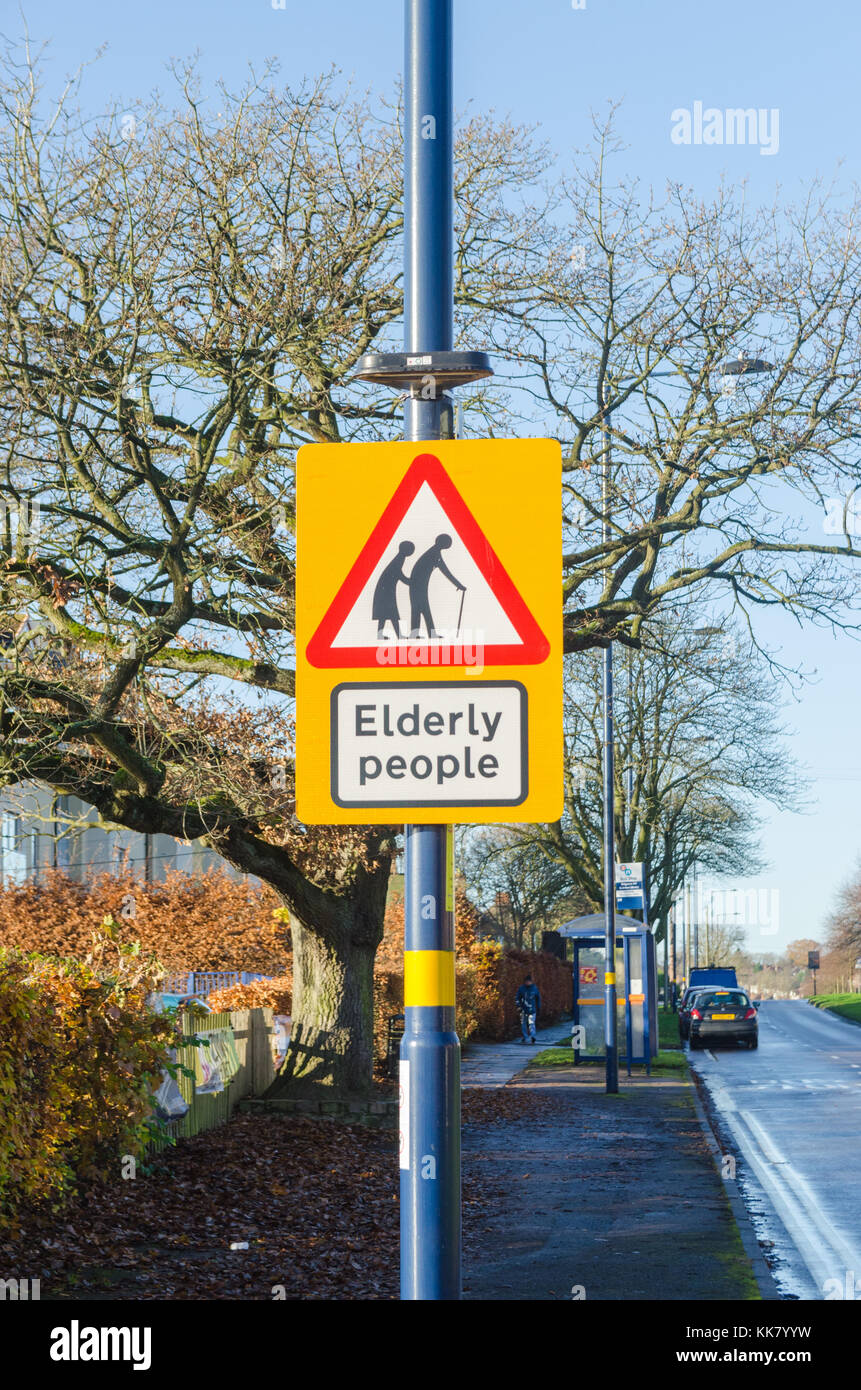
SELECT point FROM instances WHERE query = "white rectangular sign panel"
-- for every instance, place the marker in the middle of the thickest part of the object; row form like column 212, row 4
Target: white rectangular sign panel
column 461, row 743
column 629, row 877
column 629, row 885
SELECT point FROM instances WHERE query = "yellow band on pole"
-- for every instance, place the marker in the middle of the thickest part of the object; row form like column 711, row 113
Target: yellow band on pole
column 428, row 979
column 609, row 977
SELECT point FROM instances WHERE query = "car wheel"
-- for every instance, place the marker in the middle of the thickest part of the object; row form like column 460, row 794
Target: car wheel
column 754, row 1042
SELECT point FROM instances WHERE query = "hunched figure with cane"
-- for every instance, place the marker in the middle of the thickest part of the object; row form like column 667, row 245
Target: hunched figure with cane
column 419, row 582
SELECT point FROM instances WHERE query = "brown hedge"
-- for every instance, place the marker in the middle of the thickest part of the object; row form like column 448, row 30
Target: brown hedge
column 507, row 970
column 487, row 980
column 213, row 921
column 208, row 921
column 275, row 994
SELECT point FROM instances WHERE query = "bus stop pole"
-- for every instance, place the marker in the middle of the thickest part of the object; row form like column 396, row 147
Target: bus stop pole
column 430, row 1050
column 647, row 948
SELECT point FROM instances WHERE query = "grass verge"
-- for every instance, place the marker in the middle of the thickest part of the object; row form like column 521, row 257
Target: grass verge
column 846, row 1005
column 558, row 1056
column 668, row 1030
column 669, row 1059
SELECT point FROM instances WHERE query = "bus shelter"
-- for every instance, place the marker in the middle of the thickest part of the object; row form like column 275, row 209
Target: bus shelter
column 637, row 999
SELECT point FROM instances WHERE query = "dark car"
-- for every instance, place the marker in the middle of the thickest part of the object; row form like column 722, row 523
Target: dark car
column 722, row 1015
column 684, row 1010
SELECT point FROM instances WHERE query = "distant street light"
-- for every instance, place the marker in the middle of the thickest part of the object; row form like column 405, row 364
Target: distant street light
column 736, row 367
column 743, row 364
column 609, row 834
column 611, row 1065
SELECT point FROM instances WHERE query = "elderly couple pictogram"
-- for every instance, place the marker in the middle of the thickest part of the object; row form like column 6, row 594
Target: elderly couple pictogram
column 385, row 608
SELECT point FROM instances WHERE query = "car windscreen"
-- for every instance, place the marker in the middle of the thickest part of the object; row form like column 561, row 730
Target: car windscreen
column 731, row 998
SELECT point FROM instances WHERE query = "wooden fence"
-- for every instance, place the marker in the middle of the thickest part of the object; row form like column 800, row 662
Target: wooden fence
column 252, row 1034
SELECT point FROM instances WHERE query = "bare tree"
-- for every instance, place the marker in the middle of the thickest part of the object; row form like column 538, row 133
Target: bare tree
column 735, row 480
column 525, row 889
column 698, row 744
column 183, row 299
column 723, row 944
column 798, row 951
column 844, row 932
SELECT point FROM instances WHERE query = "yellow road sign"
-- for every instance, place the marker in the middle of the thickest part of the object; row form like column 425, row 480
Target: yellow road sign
column 429, row 632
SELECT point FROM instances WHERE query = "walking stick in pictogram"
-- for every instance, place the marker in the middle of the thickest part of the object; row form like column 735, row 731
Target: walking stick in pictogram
column 460, row 614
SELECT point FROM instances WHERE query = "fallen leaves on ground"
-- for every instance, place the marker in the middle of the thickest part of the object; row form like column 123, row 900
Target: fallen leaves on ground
column 487, row 1107
column 317, row 1202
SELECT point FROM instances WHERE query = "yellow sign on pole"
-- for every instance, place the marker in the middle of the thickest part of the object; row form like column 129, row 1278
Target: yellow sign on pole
column 429, row 632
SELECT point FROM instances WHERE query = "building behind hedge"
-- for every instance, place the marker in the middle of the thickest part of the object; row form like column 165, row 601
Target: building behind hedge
column 40, row 830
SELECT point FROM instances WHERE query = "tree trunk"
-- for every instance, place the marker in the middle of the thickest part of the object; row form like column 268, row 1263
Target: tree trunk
column 331, row 1051
column 332, row 1029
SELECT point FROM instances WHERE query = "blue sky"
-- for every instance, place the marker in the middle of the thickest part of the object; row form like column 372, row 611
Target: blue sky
column 550, row 64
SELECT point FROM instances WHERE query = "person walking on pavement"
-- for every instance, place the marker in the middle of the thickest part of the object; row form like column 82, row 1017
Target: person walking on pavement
column 528, row 1001
column 385, row 609
column 419, row 581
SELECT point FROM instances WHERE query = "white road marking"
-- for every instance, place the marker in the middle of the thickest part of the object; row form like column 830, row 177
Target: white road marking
column 826, row 1251
column 771, row 1152
column 826, row 1254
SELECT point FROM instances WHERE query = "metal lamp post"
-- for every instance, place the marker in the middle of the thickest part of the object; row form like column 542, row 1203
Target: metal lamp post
column 673, row 966
column 430, row 1049
column 696, row 918
column 430, row 1207
column 744, row 365
column 609, row 836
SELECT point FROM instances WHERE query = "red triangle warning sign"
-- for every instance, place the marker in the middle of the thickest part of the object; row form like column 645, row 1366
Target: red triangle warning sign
column 427, row 576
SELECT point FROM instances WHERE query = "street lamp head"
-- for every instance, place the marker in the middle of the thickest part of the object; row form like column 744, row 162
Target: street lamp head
column 412, row 371
column 743, row 364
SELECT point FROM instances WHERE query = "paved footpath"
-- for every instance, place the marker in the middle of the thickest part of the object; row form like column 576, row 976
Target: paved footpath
column 494, row 1064
column 596, row 1196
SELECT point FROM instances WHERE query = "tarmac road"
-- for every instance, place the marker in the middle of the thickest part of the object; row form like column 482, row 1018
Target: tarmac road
column 792, row 1110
